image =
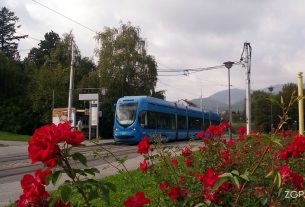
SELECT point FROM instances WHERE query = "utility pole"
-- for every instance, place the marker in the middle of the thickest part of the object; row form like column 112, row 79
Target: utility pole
column 228, row 65
column 247, row 64
column 71, row 84
column 202, row 111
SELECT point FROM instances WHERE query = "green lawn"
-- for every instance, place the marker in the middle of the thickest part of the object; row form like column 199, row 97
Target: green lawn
column 8, row 136
column 127, row 184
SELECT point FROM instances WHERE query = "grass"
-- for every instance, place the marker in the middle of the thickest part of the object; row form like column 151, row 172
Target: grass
column 8, row 136
column 127, row 184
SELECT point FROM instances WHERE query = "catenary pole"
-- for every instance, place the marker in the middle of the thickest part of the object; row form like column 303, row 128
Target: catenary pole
column 71, row 84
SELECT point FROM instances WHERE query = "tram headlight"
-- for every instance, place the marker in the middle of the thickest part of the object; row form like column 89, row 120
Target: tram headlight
column 133, row 128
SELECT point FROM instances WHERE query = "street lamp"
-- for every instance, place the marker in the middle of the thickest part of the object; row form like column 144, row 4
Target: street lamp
column 228, row 65
column 271, row 121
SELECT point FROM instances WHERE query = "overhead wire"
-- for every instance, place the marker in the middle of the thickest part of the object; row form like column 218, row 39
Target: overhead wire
column 72, row 20
column 28, row 36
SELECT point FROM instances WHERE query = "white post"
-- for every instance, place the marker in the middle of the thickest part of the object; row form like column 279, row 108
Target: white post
column 90, row 117
column 98, row 117
column 71, row 84
column 248, row 90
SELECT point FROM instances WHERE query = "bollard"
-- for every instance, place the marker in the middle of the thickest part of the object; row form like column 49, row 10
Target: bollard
column 301, row 104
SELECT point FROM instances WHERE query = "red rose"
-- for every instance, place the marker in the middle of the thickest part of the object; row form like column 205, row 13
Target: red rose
column 291, row 177
column 176, row 192
column 174, row 162
column 188, row 162
column 64, row 132
column 74, row 137
column 138, row 200
column 164, row 185
column 22, row 201
column 41, row 175
column 143, row 146
column 230, row 142
column 186, row 152
column 226, row 156
column 143, row 166
column 34, row 191
column 241, row 130
column 210, row 178
column 200, row 134
column 224, row 125
column 173, row 193
column 42, row 146
column 181, row 179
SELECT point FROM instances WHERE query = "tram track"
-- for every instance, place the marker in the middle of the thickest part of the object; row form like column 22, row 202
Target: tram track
column 8, row 172
column 12, row 168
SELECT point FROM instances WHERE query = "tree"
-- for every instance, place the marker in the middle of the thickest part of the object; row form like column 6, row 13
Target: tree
column 124, row 66
column 53, row 75
column 261, row 110
column 39, row 55
column 8, row 38
column 124, row 69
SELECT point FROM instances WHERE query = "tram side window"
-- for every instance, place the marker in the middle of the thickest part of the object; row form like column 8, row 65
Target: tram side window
column 166, row 121
column 151, row 120
column 143, row 119
column 195, row 123
column 182, row 122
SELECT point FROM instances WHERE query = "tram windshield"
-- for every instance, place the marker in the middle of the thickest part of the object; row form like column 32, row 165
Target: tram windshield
column 126, row 113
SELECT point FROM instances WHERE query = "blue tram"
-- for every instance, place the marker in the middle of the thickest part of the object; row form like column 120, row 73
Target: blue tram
column 139, row 116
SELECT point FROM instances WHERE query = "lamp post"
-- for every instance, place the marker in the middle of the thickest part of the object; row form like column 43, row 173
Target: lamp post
column 228, row 65
column 271, row 120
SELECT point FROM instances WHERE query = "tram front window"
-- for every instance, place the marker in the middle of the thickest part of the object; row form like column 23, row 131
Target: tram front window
column 126, row 113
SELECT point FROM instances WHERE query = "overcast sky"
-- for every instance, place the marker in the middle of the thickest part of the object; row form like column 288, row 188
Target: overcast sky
column 185, row 34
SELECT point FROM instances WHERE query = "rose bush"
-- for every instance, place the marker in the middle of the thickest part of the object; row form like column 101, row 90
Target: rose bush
column 253, row 170
column 52, row 145
column 249, row 170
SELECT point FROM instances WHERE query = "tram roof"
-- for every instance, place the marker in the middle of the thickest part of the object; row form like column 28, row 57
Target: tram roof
column 158, row 101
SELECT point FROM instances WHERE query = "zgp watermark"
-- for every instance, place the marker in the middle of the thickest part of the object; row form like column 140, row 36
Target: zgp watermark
column 294, row 194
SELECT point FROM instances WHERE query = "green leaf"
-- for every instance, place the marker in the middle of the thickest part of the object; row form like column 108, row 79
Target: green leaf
column 201, row 205
column 219, row 183
column 264, row 200
column 55, row 176
column 245, row 177
column 80, row 157
column 93, row 194
column 65, row 193
column 279, row 180
column 269, row 174
column 277, row 141
column 122, row 160
column 236, row 182
column 105, row 194
column 111, row 186
column 79, row 171
column 96, row 202
column 235, row 172
column 48, row 178
column 91, row 171
column 226, row 175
